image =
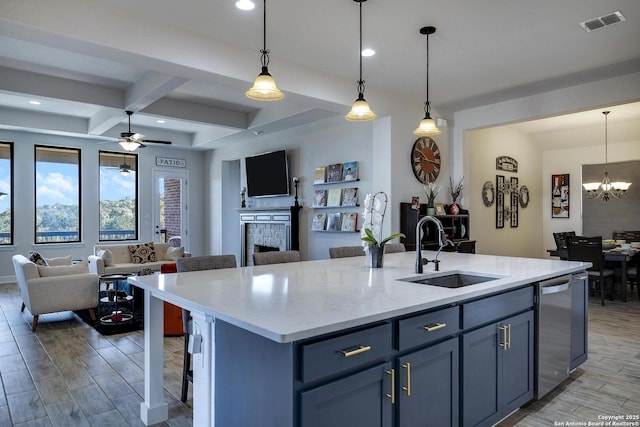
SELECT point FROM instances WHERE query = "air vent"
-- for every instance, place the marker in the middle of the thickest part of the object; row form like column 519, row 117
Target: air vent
column 602, row 21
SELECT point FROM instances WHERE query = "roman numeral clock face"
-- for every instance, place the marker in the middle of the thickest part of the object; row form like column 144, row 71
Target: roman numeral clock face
column 425, row 160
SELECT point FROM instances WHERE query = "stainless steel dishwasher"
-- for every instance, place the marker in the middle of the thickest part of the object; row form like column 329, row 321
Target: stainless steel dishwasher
column 553, row 333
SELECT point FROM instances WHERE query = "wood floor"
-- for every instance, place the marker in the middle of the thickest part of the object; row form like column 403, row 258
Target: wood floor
column 66, row 374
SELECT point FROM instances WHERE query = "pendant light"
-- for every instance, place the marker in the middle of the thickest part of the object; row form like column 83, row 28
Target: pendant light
column 427, row 126
column 264, row 88
column 606, row 189
column 360, row 110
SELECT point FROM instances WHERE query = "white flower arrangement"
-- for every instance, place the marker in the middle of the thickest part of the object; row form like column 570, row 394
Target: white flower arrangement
column 375, row 208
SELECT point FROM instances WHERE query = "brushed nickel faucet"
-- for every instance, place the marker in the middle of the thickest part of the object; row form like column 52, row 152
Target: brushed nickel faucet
column 442, row 242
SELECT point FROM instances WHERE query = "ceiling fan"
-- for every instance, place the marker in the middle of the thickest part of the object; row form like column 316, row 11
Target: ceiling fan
column 131, row 141
column 124, row 168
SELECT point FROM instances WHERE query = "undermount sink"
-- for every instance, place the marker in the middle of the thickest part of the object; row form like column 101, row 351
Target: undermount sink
column 450, row 280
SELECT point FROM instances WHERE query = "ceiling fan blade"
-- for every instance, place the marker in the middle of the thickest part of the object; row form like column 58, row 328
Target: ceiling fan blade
column 155, row 141
column 137, row 136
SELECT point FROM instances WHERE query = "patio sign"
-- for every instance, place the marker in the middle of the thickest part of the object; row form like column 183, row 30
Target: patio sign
column 171, row 162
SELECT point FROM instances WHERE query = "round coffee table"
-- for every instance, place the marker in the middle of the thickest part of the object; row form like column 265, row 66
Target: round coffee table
column 113, row 299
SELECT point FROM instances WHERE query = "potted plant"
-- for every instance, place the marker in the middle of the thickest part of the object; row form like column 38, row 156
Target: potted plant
column 431, row 190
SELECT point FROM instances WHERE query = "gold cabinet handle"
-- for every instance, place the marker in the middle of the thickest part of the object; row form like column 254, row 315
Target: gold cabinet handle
column 360, row 349
column 504, row 343
column 407, row 366
column 431, row 328
column 392, row 395
column 509, row 336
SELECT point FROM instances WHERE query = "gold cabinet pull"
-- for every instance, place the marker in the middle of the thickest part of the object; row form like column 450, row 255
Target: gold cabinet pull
column 407, row 366
column 431, row 328
column 360, row 349
column 509, row 336
column 504, row 343
column 392, row 395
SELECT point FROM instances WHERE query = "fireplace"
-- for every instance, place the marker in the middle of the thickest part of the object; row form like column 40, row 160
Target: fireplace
column 267, row 229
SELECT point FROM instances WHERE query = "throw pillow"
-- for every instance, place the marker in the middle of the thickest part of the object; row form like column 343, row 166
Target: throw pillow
column 106, row 256
column 143, row 253
column 62, row 270
column 174, row 253
column 61, row 260
column 37, row 258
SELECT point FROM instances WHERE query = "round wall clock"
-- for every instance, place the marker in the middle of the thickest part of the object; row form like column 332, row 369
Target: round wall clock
column 425, row 160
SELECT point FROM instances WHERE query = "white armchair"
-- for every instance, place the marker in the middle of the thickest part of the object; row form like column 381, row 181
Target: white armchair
column 47, row 289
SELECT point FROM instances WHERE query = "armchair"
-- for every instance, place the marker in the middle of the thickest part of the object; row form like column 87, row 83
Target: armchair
column 45, row 289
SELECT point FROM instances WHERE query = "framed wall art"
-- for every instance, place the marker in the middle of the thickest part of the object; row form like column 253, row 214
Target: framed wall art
column 560, row 196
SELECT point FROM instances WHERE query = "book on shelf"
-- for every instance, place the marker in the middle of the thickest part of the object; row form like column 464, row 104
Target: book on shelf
column 350, row 171
column 333, row 197
column 320, row 198
column 349, row 196
column 334, row 172
column 319, row 221
column 320, row 175
column 334, row 221
column 349, row 221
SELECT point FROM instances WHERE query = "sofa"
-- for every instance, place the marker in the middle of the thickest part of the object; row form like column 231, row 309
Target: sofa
column 119, row 259
column 56, row 287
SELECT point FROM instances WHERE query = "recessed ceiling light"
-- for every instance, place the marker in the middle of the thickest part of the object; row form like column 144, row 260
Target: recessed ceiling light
column 368, row 52
column 35, row 102
column 245, row 4
column 160, row 121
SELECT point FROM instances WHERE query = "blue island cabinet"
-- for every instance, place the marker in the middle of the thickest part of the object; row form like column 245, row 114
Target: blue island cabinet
column 497, row 370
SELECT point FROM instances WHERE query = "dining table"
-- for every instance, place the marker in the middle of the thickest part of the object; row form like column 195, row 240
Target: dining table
column 613, row 255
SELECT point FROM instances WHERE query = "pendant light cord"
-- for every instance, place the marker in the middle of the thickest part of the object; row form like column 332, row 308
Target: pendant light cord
column 360, row 82
column 427, row 106
column 264, row 58
column 606, row 140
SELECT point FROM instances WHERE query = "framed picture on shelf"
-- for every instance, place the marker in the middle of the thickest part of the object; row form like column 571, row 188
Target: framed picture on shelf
column 334, row 196
column 349, row 221
column 334, row 172
column 350, row 171
column 440, row 209
column 349, row 196
column 319, row 198
column 319, row 221
column 560, row 196
column 320, row 175
column 334, row 221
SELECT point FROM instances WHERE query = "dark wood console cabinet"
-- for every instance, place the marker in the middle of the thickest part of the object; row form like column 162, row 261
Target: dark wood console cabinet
column 455, row 226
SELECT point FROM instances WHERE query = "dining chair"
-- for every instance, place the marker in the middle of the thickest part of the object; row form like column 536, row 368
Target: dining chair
column 392, row 248
column 346, row 251
column 561, row 239
column 275, row 257
column 589, row 249
column 196, row 263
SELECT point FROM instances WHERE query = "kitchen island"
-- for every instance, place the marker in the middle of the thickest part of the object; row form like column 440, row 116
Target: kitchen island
column 262, row 333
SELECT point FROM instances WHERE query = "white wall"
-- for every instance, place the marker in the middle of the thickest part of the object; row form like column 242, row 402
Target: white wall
column 332, row 140
column 23, row 193
column 481, row 149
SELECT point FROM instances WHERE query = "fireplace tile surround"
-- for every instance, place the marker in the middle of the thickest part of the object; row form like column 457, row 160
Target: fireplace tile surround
column 272, row 227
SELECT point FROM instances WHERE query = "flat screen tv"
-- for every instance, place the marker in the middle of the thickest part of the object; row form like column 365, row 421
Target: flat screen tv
column 267, row 174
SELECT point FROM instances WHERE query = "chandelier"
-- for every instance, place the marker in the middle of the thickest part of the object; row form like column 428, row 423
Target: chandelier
column 606, row 189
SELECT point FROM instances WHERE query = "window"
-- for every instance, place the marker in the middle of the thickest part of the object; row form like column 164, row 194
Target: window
column 6, row 192
column 57, row 194
column 118, row 196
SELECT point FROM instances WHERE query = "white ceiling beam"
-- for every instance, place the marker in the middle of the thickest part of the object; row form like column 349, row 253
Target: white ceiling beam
column 40, row 85
column 42, row 121
column 198, row 113
column 150, row 88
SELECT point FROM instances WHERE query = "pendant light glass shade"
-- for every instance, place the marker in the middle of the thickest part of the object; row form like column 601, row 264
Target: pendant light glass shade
column 360, row 110
column 606, row 189
column 427, row 126
column 264, row 87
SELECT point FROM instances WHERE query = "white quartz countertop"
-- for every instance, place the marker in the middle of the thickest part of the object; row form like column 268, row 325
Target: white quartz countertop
column 288, row 302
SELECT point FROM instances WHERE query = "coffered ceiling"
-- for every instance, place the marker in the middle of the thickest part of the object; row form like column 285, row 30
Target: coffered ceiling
column 190, row 62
